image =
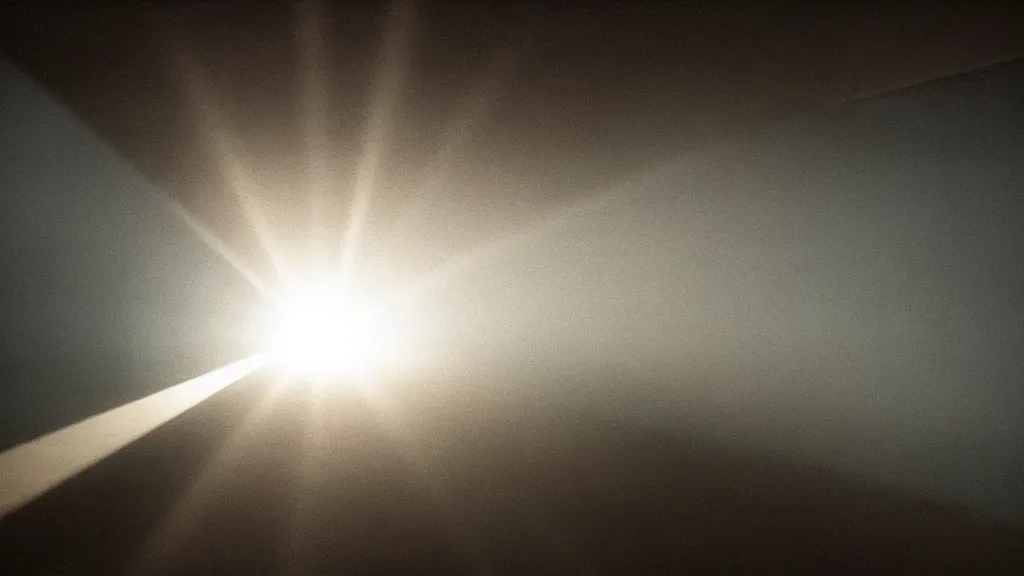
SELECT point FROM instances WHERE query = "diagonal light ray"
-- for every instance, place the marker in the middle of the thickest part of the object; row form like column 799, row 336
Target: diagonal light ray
column 201, row 99
column 388, row 415
column 310, row 37
column 312, row 454
column 453, row 267
column 383, row 96
column 219, row 247
column 35, row 467
column 175, row 525
column 473, row 110
column 433, row 478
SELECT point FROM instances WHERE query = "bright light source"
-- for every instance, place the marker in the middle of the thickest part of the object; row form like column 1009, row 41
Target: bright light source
column 325, row 332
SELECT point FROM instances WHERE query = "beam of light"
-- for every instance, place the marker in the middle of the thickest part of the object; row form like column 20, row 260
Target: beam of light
column 387, row 413
column 471, row 112
column 201, row 99
column 219, row 247
column 174, row 526
column 216, row 244
column 32, row 468
column 382, row 101
column 453, row 267
column 441, row 275
column 312, row 453
column 310, row 37
column 433, row 478
column 875, row 92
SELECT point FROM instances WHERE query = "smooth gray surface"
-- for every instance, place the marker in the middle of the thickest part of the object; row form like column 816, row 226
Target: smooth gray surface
column 106, row 295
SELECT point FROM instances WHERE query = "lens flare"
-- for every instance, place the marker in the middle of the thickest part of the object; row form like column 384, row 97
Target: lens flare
column 324, row 331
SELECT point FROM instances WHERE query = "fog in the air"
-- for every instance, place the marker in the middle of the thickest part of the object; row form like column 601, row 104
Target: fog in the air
column 844, row 287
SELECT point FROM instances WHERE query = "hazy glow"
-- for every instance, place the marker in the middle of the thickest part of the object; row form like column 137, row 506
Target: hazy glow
column 323, row 330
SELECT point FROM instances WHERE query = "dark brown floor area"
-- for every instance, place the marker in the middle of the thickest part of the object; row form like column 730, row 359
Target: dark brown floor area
column 467, row 488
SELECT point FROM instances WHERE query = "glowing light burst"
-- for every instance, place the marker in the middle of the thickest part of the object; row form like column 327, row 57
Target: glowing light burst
column 326, row 332
column 321, row 330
